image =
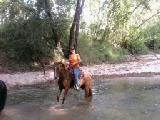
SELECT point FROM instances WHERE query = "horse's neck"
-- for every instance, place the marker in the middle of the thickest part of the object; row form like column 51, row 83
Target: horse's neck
column 63, row 74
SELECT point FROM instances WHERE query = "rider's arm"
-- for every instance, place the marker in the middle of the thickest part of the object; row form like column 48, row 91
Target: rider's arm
column 79, row 59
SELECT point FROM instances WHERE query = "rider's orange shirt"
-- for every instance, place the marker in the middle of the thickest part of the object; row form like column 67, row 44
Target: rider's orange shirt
column 74, row 60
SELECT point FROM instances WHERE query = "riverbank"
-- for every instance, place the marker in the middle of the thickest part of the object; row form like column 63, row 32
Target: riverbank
column 135, row 66
column 140, row 66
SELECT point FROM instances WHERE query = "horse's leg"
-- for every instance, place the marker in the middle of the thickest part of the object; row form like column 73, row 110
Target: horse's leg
column 90, row 92
column 86, row 91
column 58, row 94
column 88, row 95
column 65, row 93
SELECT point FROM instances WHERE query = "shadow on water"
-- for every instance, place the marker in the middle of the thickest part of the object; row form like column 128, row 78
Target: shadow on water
column 112, row 100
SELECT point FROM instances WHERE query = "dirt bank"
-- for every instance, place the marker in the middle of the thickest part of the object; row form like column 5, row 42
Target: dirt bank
column 144, row 65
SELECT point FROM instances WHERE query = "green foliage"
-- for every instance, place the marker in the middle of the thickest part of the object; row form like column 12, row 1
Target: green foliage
column 26, row 32
column 121, row 24
column 22, row 45
column 95, row 52
column 137, row 47
column 152, row 37
column 135, row 42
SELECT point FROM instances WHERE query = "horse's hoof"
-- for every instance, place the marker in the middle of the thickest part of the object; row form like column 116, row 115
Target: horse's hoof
column 63, row 100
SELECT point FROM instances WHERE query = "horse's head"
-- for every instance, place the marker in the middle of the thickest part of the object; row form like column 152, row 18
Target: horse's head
column 59, row 69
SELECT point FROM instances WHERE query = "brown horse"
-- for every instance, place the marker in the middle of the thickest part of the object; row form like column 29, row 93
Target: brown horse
column 65, row 81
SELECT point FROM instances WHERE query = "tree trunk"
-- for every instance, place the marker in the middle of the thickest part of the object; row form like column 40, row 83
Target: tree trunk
column 74, row 31
column 55, row 36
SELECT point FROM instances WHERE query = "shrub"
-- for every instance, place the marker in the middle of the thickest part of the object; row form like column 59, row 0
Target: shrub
column 153, row 44
column 137, row 47
column 95, row 52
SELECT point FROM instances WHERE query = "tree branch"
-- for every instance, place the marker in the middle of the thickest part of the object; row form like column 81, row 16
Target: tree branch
column 158, row 11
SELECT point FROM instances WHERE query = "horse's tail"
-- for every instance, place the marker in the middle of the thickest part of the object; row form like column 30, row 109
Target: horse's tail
column 3, row 95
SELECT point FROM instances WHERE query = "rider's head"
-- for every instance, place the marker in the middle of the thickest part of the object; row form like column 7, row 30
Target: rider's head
column 72, row 50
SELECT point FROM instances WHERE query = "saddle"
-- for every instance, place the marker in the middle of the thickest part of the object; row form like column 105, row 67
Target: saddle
column 80, row 75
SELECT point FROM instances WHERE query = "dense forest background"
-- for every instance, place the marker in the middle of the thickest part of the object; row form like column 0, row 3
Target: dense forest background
column 101, row 30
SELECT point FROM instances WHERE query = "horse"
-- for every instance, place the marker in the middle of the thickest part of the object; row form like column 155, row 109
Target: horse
column 65, row 81
column 3, row 95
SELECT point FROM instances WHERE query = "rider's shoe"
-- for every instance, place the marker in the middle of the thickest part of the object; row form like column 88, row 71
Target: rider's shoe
column 77, row 86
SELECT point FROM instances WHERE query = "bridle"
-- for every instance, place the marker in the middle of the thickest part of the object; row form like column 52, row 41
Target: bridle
column 56, row 65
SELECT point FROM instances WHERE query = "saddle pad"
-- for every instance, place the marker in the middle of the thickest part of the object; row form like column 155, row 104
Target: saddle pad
column 81, row 74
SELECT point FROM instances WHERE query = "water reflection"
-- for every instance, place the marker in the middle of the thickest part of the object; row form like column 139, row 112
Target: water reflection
column 112, row 100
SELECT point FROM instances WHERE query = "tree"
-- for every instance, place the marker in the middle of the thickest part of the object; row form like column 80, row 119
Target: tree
column 33, row 28
column 74, row 31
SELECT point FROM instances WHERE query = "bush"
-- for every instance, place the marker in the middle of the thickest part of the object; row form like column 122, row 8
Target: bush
column 115, row 54
column 24, row 41
column 153, row 44
column 95, row 52
column 137, row 47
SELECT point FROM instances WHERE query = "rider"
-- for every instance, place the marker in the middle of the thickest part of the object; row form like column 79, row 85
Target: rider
column 74, row 60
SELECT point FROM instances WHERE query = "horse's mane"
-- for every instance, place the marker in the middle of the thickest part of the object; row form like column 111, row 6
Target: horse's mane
column 60, row 62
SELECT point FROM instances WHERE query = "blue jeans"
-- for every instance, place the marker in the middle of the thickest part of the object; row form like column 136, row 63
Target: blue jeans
column 76, row 71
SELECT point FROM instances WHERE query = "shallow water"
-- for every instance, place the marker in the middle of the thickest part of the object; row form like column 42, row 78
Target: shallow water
column 112, row 100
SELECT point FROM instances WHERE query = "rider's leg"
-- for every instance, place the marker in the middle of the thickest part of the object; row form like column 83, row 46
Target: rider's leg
column 76, row 78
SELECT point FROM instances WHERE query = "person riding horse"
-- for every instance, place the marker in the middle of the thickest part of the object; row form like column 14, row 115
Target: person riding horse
column 74, row 60
column 69, row 75
column 65, row 81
